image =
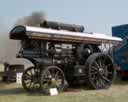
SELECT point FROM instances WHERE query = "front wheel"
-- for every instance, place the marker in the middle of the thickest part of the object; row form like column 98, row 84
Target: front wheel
column 100, row 71
column 31, row 79
column 52, row 77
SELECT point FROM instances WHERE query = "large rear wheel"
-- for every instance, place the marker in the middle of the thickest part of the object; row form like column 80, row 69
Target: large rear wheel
column 100, row 71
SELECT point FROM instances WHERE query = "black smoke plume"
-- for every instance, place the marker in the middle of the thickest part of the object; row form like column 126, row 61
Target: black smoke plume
column 9, row 48
column 33, row 19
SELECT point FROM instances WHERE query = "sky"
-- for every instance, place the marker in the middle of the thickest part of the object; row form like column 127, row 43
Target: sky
column 95, row 15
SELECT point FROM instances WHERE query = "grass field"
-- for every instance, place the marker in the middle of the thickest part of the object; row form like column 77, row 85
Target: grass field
column 117, row 93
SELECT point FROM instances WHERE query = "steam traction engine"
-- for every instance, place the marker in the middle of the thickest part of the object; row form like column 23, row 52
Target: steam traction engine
column 63, row 53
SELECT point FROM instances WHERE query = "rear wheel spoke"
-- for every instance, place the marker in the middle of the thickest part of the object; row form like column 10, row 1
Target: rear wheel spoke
column 102, row 83
column 94, row 68
column 98, row 83
column 110, row 72
column 106, row 79
column 94, row 73
column 94, row 77
column 96, row 64
column 100, row 63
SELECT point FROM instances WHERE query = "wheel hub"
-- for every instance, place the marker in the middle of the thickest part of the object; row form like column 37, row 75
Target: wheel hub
column 101, row 71
column 53, row 80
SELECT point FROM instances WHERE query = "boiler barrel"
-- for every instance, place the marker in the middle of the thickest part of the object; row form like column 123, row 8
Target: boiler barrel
column 62, row 26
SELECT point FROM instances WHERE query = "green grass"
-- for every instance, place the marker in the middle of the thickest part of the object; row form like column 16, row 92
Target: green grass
column 117, row 93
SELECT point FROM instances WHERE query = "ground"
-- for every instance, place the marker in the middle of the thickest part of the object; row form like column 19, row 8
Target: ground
column 117, row 93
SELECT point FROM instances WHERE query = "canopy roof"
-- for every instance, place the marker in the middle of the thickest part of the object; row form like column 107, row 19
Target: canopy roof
column 48, row 34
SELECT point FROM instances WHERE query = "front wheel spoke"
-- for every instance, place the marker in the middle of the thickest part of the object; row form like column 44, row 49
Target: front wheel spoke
column 31, row 73
column 34, row 86
column 27, row 77
column 27, row 81
column 29, row 86
column 49, row 73
column 56, row 75
column 52, row 73
column 27, row 74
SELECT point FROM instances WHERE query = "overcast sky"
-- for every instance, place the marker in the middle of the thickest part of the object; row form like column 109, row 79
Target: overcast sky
column 95, row 15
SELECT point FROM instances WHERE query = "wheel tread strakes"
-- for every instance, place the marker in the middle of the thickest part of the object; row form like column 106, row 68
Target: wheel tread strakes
column 100, row 71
